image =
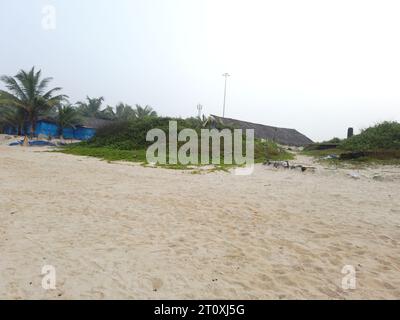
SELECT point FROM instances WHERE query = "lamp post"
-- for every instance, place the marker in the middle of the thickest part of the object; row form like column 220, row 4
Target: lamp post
column 226, row 75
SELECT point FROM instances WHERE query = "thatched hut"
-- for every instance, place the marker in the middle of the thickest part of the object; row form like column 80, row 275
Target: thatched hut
column 289, row 137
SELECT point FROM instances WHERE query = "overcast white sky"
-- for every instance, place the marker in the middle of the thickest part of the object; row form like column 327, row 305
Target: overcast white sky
column 317, row 66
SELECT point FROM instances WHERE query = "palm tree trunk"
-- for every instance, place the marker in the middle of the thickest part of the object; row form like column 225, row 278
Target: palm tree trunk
column 32, row 130
column 60, row 132
column 33, row 126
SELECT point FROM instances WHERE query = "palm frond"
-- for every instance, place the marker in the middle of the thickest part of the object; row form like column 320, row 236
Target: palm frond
column 14, row 87
column 25, row 92
column 43, row 84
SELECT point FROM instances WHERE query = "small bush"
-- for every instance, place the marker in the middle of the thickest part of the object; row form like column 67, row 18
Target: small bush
column 333, row 140
column 383, row 136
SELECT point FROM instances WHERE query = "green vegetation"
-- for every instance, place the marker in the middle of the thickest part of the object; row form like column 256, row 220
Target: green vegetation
column 67, row 117
column 123, row 139
column 126, row 141
column 333, row 140
column 383, row 136
column 263, row 151
column 27, row 98
column 93, row 108
column 379, row 144
column 108, row 154
column 10, row 116
column 131, row 135
column 270, row 151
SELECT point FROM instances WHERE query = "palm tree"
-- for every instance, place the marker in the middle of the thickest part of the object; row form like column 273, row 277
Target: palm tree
column 124, row 112
column 27, row 91
column 67, row 117
column 10, row 116
column 145, row 112
column 91, row 108
column 107, row 114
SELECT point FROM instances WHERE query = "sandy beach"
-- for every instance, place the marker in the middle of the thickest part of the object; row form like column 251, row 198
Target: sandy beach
column 118, row 230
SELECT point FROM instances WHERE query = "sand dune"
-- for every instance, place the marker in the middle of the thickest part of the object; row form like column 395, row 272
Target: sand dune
column 124, row 231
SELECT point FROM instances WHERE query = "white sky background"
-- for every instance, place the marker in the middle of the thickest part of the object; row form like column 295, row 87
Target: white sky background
column 317, row 66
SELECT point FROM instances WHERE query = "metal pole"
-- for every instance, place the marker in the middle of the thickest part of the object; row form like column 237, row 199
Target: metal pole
column 199, row 109
column 226, row 75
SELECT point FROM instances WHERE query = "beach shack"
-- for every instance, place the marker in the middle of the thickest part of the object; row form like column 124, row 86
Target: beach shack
column 48, row 127
column 284, row 136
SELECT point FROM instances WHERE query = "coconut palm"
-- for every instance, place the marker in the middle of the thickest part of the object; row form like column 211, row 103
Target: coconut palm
column 27, row 91
column 91, row 108
column 14, row 117
column 108, row 113
column 145, row 112
column 124, row 112
column 67, row 117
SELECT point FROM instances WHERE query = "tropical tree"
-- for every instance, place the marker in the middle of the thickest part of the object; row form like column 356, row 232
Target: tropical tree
column 14, row 117
column 27, row 92
column 124, row 112
column 107, row 114
column 146, row 112
column 67, row 117
column 91, row 108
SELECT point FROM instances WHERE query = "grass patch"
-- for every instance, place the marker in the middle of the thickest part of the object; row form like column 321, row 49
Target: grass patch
column 105, row 153
column 379, row 144
column 139, row 156
column 378, row 157
column 269, row 150
column 263, row 151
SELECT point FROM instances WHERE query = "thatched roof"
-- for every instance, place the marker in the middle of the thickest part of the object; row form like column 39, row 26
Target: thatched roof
column 94, row 123
column 290, row 137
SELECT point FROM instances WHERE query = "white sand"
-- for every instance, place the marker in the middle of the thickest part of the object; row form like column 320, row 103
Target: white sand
column 124, row 231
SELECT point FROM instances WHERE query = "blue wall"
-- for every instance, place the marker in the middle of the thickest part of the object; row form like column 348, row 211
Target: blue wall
column 9, row 130
column 47, row 128
column 69, row 133
column 81, row 133
column 51, row 129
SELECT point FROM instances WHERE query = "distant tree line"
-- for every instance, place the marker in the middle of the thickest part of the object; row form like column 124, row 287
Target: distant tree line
column 27, row 98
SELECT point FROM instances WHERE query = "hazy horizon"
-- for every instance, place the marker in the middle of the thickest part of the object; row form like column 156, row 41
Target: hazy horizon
column 315, row 66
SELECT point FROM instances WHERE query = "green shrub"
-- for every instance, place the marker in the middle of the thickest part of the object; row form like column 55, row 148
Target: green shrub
column 131, row 134
column 383, row 136
column 269, row 150
column 333, row 140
